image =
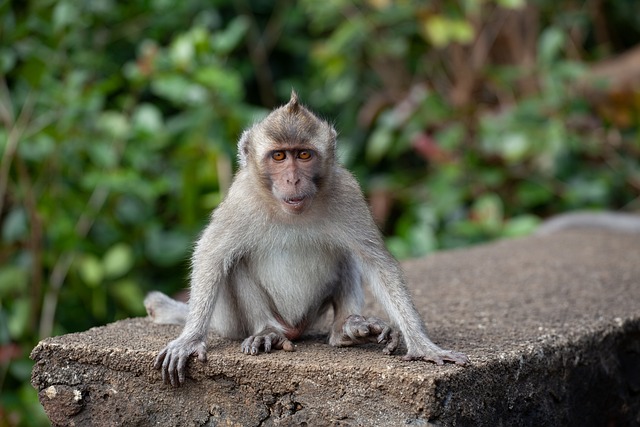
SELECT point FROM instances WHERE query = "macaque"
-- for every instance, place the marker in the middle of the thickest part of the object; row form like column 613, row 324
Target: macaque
column 293, row 238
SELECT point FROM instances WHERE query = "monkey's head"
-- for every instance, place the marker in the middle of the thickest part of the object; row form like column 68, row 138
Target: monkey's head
column 292, row 151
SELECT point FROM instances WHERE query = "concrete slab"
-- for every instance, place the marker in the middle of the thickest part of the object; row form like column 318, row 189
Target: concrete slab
column 551, row 324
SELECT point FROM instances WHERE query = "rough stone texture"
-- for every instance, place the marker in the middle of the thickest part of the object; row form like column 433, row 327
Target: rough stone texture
column 551, row 324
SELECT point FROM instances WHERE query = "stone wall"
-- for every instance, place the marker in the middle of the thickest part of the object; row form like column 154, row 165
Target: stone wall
column 551, row 325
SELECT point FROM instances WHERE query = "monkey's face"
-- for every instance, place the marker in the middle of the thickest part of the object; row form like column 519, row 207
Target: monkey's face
column 292, row 152
column 293, row 175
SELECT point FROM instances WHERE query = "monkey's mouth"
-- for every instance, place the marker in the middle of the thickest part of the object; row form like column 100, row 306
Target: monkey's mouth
column 295, row 203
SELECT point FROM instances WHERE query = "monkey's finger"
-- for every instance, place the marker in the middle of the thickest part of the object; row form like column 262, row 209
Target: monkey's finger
column 165, row 370
column 457, row 358
column 255, row 346
column 246, row 345
column 356, row 330
column 171, row 371
column 267, row 344
column 180, row 369
column 363, row 331
column 384, row 335
column 355, row 326
column 164, row 376
column 157, row 364
column 377, row 326
column 392, row 343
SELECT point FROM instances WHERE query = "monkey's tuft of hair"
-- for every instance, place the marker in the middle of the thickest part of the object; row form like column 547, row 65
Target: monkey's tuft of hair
column 293, row 104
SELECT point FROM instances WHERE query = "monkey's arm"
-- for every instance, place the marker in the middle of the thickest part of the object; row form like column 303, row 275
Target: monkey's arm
column 214, row 256
column 383, row 274
column 205, row 283
column 385, row 278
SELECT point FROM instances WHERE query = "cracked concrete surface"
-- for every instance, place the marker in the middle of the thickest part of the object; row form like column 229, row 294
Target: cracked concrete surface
column 551, row 324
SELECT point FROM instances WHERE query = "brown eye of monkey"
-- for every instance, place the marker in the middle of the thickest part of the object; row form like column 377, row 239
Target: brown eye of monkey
column 278, row 156
column 304, row 155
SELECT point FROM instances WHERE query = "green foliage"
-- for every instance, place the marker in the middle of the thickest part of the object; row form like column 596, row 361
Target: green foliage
column 463, row 120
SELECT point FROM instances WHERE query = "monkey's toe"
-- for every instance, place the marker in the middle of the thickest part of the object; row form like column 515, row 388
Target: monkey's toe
column 361, row 330
column 266, row 341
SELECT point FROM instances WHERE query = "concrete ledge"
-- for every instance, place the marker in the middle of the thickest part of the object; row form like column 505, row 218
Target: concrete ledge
column 551, row 324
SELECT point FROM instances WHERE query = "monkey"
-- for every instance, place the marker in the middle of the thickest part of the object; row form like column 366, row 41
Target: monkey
column 612, row 221
column 292, row 238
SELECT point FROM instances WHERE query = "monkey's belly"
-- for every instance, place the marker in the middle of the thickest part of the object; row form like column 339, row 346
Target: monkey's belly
column 297, row 281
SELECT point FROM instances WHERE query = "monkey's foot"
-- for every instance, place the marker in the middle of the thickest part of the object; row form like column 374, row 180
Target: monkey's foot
column 438, row 356
column 266, row 340
column 357, row 329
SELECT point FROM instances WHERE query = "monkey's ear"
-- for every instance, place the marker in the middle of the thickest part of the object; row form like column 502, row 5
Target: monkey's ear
column 333, row 139
column 243, row 149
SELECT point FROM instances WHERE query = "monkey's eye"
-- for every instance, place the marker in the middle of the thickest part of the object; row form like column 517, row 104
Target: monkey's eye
column 278, row 156
column 304, row 155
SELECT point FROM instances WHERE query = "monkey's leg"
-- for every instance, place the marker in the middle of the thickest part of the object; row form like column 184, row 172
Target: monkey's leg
column 165, row 310
column 267, row 339
column 357, row 329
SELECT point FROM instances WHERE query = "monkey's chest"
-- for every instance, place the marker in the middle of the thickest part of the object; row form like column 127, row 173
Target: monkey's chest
column 296, row 278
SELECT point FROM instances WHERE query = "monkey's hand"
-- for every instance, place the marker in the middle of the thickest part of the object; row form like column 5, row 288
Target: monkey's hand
column 357, row 329
column 172, row 361
column 267, row 339
column 432, row 353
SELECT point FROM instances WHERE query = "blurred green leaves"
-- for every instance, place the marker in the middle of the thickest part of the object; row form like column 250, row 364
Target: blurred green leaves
column 442, row 31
